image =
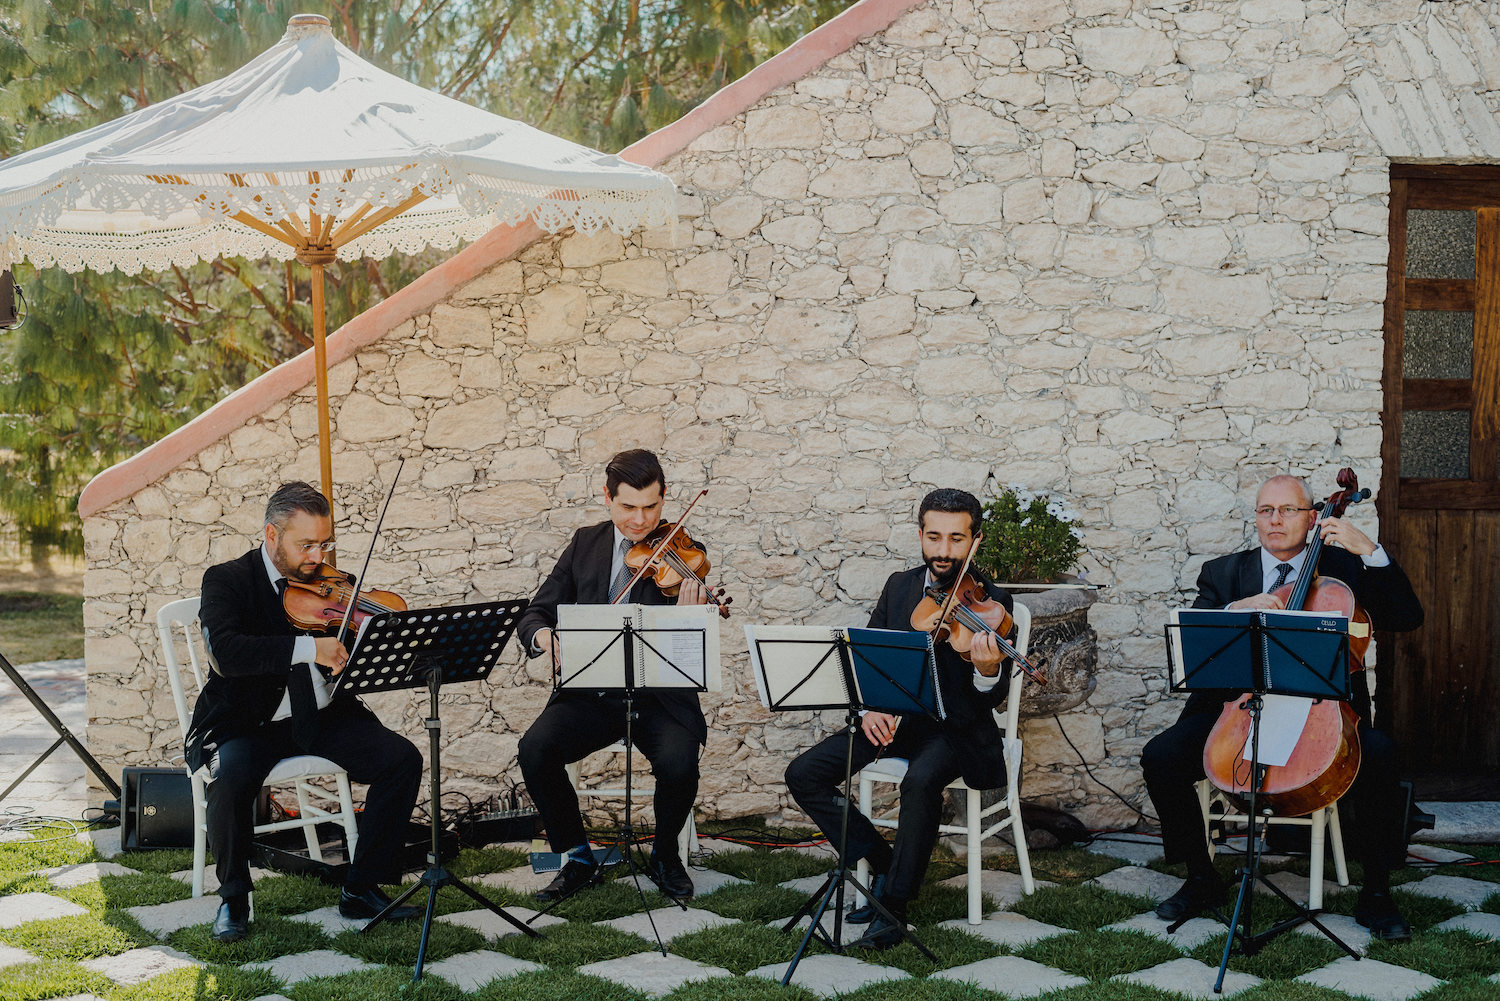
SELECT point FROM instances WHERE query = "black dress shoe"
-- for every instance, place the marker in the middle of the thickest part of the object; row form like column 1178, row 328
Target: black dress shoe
column 232, row 923
column 573, row 876
column 865, row 913
column 883, row 933
column 668, row 872
column 1196, row 895
column 366, row 905
column 1377, row 912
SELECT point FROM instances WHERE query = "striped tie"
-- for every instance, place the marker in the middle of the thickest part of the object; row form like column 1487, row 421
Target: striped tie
column 623, row 577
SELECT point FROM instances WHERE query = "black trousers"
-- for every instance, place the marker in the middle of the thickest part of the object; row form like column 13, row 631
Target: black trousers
column 816, row 781
column 576, row 725
column 1371, row 813
column 353, row 739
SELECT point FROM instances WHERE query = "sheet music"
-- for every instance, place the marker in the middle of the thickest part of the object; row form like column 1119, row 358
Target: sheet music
column 806, row 671
column 691, row 647
column 584, row 633
column 1282, row 718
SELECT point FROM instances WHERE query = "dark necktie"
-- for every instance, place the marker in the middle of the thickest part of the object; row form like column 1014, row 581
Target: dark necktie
column 1283, row 571
column 303, row 701
column 622, row 578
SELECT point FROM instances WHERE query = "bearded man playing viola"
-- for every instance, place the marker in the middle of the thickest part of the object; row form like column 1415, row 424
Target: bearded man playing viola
column 1173, row 759
column 966, row 743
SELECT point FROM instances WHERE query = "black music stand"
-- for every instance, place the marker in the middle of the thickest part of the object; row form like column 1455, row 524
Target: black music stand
column 868, row 674
column 1262, row 653
column 64, row 736
column 619, row 664
column 424, row 648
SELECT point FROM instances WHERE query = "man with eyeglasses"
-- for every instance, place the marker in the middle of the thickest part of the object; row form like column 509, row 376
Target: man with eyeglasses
column 1173, row 759
column 266, row 699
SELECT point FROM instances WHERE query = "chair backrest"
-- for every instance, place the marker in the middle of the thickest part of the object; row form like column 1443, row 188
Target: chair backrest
column 1010, row 720
column 181, row 617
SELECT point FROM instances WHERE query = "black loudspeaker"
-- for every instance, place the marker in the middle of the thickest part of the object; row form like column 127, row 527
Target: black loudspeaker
column 8, row 315
column 156, row 809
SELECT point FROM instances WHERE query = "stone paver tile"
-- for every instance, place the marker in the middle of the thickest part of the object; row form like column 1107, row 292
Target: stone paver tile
column 1141, row 882
column 493, row 927
column 1004, row 888
column 1008, row 929
column 1353, row 934
column 106, row 841
column 1192, row 978
column 847, row 932
column 714, row 845
column 318, row 963
column 826, row 976
column 163, row 919
column 1011, row 976
column 521, row 879
column 810, row 884
column 652, row 973
column 1432, row 853
column 140, row 964
column 327, row 918
column 706, row 881
column 470, row 971
column 11, row 956
column 1192, row 934
column 67, row 876
column 211, row 878
column 1134, row 852
column 1371, row 978
column 1467, row 893
column 1480, row 923
column 8, row 837
column 19, row 908
column 1294, row 885
column 670, row 922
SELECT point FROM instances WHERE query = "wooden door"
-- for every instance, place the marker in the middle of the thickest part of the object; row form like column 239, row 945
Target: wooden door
column 1439, row 688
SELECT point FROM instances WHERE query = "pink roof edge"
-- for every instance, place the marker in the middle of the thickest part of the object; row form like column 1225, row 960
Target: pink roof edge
column 126, row 478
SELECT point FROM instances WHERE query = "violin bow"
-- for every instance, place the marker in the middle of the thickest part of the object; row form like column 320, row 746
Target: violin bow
column 360, row 579
column 661, row 547
column 953, row 591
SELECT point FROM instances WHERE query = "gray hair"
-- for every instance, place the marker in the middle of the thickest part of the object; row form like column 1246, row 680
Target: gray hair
column 1307, row 494
column 293, row 497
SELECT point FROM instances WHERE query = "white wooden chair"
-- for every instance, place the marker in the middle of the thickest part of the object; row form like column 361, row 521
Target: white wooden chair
column 178, row 621
column 687, row 840
column 1325, row 834
column 980, row 822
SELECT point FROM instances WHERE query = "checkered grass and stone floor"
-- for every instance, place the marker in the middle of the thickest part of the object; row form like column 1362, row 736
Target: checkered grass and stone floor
column 79, row 920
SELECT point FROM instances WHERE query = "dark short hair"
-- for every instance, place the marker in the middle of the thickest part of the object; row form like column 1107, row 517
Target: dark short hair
column 951, row 501
column 295, row 496
column 634, row 467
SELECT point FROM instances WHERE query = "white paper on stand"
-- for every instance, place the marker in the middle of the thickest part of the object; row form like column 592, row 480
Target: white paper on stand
column 1282, row 718
column 802, row 659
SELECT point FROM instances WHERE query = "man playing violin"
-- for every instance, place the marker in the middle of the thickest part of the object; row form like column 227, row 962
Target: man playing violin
column 1173, row 759
column 669, row 728
column 967, row 743
column 265, row 699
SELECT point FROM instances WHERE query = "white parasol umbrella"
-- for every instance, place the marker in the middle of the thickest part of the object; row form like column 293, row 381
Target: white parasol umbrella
column 309, row 152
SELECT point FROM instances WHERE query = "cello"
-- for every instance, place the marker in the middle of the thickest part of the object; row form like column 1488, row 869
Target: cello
column 1326, row 758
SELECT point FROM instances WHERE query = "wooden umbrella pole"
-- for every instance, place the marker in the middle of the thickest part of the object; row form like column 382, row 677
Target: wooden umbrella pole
column 320, row 356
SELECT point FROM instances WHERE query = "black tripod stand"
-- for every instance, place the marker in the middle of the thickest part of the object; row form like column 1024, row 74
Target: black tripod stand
column 64, row 736
column 417, row 648
column 832, row 890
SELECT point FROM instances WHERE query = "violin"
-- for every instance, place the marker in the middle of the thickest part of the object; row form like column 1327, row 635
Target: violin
column 1326, row 758
column 671, row 557
column 321, row 605
column 965, row 610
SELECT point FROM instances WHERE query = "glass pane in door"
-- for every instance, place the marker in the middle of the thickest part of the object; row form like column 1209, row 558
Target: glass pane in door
column 1435, row 444
column 1440, row 243
column 1439, row 344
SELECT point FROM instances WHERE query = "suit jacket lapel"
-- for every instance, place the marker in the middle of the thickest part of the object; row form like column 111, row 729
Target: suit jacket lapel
column 593, row 573
column 1251, row 581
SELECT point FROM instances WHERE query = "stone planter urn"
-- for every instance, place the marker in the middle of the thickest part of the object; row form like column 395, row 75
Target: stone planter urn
column 1063, row 645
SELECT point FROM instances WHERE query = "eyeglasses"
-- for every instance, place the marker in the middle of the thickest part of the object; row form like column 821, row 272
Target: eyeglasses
column 308, row 548
column 1286, row 511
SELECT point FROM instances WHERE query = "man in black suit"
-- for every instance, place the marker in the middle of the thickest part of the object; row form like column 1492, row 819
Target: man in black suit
column 265, row 699
column 967, row 743
column 669, row 727
column 1173, row 759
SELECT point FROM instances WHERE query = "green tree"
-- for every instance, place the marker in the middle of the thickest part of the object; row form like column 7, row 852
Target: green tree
column 109, row 363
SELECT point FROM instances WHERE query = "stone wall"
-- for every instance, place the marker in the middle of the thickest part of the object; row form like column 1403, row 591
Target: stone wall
column 1131, row 253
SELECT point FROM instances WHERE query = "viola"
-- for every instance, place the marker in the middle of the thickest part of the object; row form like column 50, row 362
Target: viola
column 965, row 610
column 322, row 604
column 1322, row 766
column 670, row 557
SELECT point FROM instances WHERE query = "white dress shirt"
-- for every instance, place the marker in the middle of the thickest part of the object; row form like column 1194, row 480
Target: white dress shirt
column 304, row 651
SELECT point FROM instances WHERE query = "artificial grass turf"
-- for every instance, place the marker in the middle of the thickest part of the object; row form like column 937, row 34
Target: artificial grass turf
column 951, row 946
column 78, row 936
column 381, row 982
column 163, row 860
column 209, row 983
column 761, row 865
column 1058, row 864
column 741, row 948
column 117, row 892
column 759, row 902
column 396, row 944
column 1099, row 955
column 49, row 978
column 1443, row 954
column 279, row 896
column 269, row 938
column 555, row 985
column 1283, row 958
column 478, row 861
column 574, row 944
column 1081, row 908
